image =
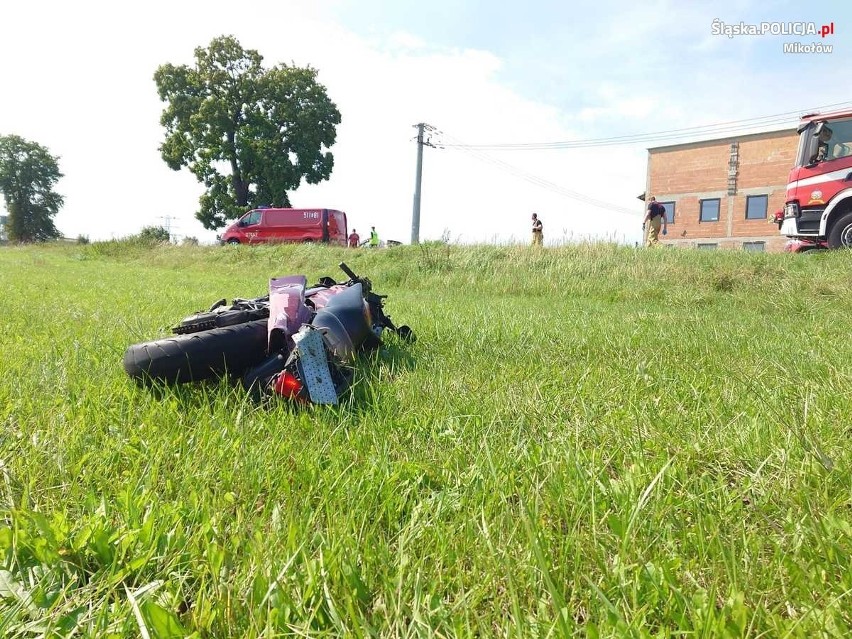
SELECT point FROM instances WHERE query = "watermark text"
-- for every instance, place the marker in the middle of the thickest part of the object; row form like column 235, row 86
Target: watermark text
column 717, row 27
column 813, row 47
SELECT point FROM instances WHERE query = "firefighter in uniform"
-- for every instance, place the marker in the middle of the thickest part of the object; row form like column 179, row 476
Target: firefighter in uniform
column 537, row 231
column 654, row 219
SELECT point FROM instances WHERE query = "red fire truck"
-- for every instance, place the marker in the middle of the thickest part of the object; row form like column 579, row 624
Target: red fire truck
column 818, row 209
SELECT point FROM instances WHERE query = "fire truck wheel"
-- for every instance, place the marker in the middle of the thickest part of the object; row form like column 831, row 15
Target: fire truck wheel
column 840, row 235
column 233, row 240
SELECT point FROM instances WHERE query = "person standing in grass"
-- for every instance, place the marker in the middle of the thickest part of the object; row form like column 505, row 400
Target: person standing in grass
column 354, row 239
column 374, row 238
column 537, row 231
column 655, row 218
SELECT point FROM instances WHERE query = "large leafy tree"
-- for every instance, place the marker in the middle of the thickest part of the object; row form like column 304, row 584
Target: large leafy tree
column 249, row 134
column 28, row 173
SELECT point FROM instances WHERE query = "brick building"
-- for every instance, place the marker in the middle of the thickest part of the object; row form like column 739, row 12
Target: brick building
column 722, row 193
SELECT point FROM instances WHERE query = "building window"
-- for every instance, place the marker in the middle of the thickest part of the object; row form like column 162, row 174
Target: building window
column 670, row 211
column 708, row 246
column 754, row 246
column 756, row 207
column 709, row 210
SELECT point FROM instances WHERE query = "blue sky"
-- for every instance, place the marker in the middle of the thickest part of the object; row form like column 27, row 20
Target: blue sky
column 482, row 72
column 579, row 57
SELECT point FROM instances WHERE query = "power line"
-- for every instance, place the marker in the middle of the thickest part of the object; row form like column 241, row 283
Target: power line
column 635, row 139
column 781, row 118
column 541, row 182
column 733, row 126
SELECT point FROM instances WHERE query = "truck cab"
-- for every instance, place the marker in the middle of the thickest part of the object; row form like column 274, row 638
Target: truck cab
column 818, row 205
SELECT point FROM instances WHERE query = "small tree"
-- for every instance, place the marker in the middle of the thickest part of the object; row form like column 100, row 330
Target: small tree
column 154, row 234
column 28, row 173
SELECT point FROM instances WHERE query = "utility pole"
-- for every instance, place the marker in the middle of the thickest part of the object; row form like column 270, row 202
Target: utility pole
column 168, row 221
column 415, row 217
column 168, row 226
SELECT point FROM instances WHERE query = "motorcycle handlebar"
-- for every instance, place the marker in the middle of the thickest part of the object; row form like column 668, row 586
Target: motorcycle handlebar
column 349, row 273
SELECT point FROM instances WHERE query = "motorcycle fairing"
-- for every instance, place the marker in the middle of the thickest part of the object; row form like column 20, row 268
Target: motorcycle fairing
column 287, row 310
column 320, row 296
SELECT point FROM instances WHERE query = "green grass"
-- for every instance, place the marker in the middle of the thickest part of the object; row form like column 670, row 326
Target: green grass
column 592, row 441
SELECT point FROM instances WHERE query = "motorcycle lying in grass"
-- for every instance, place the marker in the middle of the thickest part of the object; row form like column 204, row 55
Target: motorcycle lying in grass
column 296, row 342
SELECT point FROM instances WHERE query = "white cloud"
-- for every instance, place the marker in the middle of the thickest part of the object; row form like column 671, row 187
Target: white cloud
column 403, row 41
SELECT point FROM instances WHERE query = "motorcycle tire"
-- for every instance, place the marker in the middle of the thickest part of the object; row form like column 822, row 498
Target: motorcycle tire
column 197, row 356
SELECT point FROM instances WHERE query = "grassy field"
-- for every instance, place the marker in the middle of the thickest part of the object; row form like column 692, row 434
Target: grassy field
column 594, row 441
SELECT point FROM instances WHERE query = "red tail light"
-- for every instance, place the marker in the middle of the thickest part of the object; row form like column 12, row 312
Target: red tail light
column 287, row 385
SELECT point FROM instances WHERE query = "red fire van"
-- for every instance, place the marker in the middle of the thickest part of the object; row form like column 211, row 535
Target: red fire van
column 288, row 225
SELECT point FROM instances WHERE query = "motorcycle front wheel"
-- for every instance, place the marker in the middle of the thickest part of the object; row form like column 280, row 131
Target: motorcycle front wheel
column 196, row 356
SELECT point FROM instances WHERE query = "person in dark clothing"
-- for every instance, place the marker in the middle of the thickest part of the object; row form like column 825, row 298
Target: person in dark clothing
column 655, row 218
column 354, row 239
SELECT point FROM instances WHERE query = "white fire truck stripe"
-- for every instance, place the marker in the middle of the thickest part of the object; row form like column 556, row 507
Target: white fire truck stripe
column 819, row 179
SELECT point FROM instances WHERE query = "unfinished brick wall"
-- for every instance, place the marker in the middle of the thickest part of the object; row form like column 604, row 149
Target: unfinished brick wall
column 688, row 173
